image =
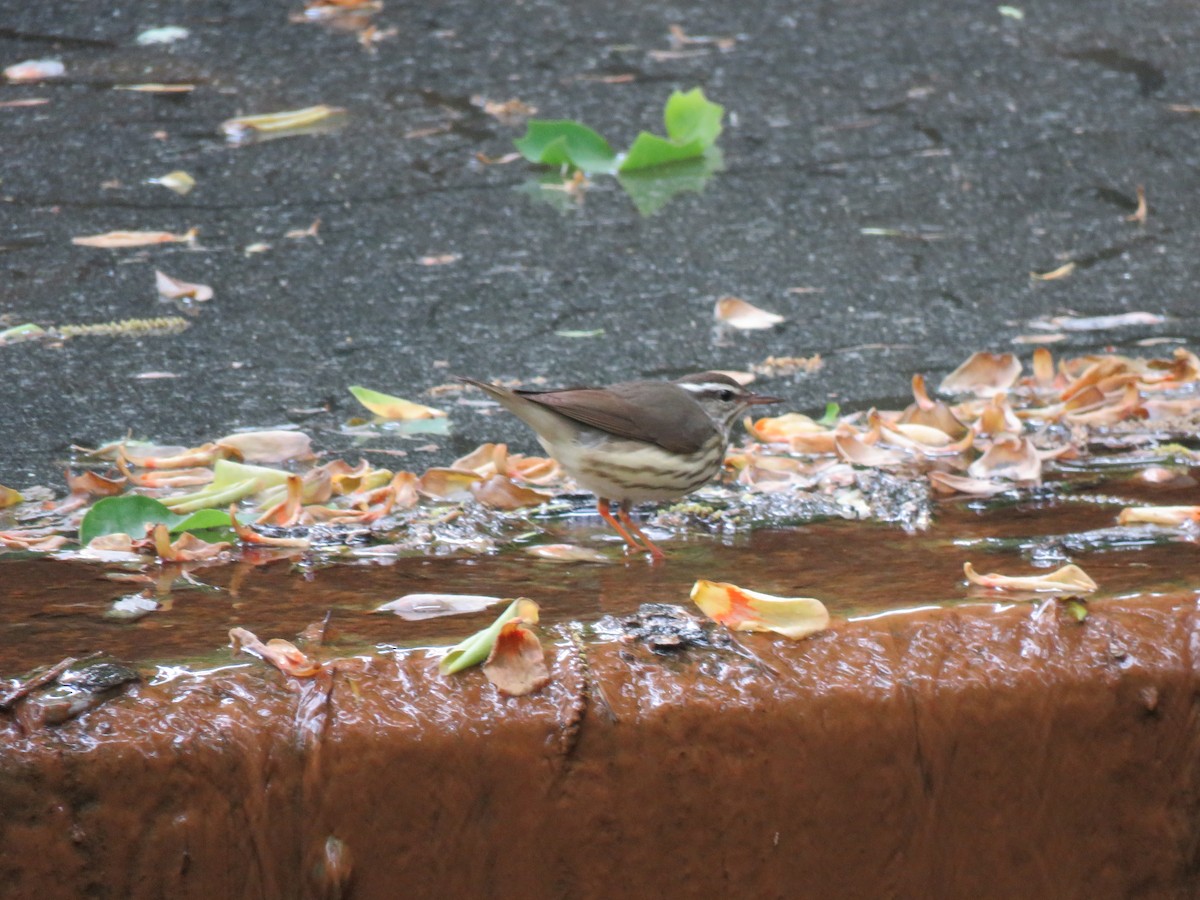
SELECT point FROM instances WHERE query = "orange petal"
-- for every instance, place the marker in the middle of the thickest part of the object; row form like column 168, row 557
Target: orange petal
column 743, row 610
column 737, row 313
column 517, row 663
column 283, row 655
column 1068, row 579
column 447, row 484
column 1171, row 516
column 499, row 492
column 1011, row 457
column 268, row 446
column 567, row 553
column 984, row 374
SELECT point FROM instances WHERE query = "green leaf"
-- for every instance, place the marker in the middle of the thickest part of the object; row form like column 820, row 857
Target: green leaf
column 832, row 410
column 693, row 117
column 123, row 515
column 474, row 650
column 693, row 124
column 231, row 482
column 558, row 142
column 203, row 520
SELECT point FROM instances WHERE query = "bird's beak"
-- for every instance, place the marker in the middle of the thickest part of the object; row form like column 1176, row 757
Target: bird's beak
column 760, row 400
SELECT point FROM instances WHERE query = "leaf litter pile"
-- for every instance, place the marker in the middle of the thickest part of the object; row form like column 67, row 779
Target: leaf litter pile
column 1001, row 434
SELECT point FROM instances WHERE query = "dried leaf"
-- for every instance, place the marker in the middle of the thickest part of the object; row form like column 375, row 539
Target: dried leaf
column 173, row 289
column 416, row 607
column 245, row 129
column 118, row 239
column 854, row 450
column 186, row 548
column 568, row 553
column 268, row 446
column 9, row 497
column 517, row 663
column 1054, row 274
column 737, row 313
column 1171, row 516
column 35, row 70
column 388, row 407
column 948, row 483
column 499, row 492
column 1010, row 457
column 1139, row 214
column 983, row 375
column 1098, row 323
column 178, row 181
column 478, row 647
column 744, row 610
column 91, row 484
column 1069, row 579
column 447, row 484
column 284, row 655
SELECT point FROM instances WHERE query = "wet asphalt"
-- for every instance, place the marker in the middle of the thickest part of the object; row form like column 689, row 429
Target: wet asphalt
column 893, row 174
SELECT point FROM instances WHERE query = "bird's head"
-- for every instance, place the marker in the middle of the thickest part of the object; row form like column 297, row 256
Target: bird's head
column 721, row 397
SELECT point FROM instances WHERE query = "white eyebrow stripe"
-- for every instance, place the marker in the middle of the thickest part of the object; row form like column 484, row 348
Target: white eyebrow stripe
column 705, row 387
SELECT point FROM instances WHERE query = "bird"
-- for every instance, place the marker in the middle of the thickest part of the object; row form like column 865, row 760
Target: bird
column 635, row 441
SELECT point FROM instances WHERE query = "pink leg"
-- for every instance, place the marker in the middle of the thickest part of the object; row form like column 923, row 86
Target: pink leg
column 647, row 544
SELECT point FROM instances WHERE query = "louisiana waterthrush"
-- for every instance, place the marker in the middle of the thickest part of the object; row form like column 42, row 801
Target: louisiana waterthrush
column 636, row 441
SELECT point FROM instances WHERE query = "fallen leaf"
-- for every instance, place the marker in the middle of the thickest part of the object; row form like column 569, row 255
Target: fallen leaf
column 35, row 70
column 186, row 548
column 9, row 497
column 268, row 446
column 983, row 375
column 1068, row 579
column 477, row 648
column 499, row 492
column 92, row 484
column 167, row 34
column 284, row 655
column 1171, row 516
column 388, row 407
column 246, row 129
column 1097, row 323
column 1054, row 274
column 568, row 553
column 118, row 239
column 948, row 483
column 442, row 259
column 517, row 663
column 178, row 181
column 1139, row 214
column 745, row 610
column 1011, row 457
column 737, row 313
column 173, row 289
column 416, row 607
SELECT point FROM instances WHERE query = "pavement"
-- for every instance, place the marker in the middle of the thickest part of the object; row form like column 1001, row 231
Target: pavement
column 894, row 173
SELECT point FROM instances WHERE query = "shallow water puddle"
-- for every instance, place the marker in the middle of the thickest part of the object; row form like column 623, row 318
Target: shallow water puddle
column 54, row 609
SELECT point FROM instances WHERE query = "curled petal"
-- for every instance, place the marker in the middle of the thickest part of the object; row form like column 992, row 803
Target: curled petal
column 1172, row 516
column 1011, row 457
column 854, row 450
column 517, row 663
column 388, row 407
column 997, row 418
column 983, row 375
column 781, row 429
column 485, row 460
column 743, row 610
column 283, row 655
column 186, row 548
column 737, row 313
column 1068, row 580
column 174, row 289
column 447, row 484
column 415, row 607
column 93, row 485
column 499, row 492
column 947, row 483
column 567, row 553
column 268, row 446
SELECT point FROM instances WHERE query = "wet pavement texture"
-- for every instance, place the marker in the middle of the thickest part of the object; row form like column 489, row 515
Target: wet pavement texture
column 893, row 175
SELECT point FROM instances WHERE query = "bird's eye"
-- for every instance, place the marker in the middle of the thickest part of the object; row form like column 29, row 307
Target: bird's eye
column 725, row 396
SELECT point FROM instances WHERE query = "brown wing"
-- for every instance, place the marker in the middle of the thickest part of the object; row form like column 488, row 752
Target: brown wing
column 652, row 411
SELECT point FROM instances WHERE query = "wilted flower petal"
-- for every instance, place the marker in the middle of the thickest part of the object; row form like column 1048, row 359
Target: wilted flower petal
column 268, row 446
column 1171, row 516
column 1068, row 580
column 173, row 289
column 284, row 655
column 1011, row 457
column 983, row 374
column 118, row 239
column 744, row 610
column 388, row 407
column 737, row 313
column 567, row 553
column 499, row 492
column 415, row 607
